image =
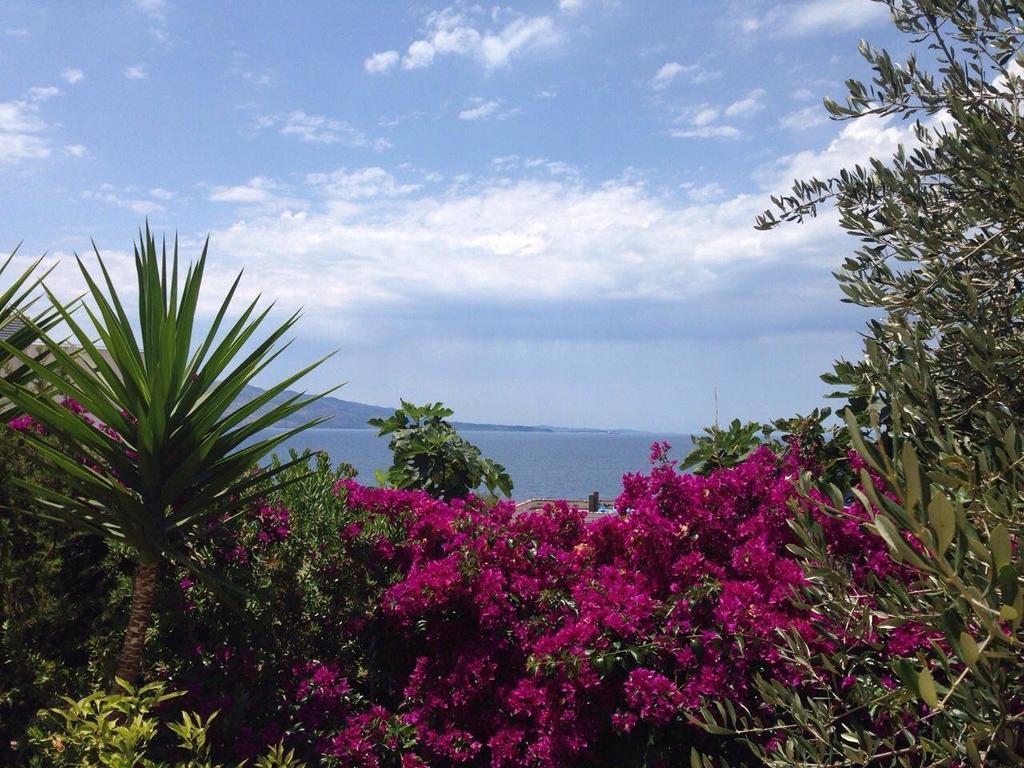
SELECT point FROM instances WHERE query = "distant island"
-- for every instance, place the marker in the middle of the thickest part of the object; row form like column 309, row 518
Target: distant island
column 348, row 414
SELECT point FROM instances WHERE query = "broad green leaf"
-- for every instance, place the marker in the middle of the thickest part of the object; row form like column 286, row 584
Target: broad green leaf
column 942, row 517
column 926, row 688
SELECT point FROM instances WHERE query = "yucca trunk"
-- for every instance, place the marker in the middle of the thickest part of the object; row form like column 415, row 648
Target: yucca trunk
column 129, row 663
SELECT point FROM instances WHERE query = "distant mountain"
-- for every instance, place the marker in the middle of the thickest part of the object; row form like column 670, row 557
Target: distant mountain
column 348, row 414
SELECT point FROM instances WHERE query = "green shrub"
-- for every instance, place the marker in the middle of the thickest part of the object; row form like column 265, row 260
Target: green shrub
column 430, row 455
column 151, row 444
column 62, row 605
column 118, row 730
column 934, row 412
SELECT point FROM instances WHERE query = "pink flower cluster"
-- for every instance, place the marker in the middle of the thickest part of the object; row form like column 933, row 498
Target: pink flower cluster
column 533, row 639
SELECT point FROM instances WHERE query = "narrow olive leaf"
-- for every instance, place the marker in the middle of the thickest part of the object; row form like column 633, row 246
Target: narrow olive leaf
column 858, row 440
column 885, row 528
column 973, row 755
column 969, row 648
column 888, row 532
column 912, row 471
column 942, row 517
column 926, row 688
column 999, row 542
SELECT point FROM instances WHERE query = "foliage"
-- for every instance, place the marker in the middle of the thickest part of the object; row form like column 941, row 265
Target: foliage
column 116, row 730
column 444, row 633
column 164, row 451
column 16, row 302
column 956, row 528
column 718, row 447
column 934, row 414
column 939, row 224
column 49, row 644
column 430, row 455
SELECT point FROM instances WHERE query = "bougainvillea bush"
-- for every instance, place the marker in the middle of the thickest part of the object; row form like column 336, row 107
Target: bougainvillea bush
column 384, row 627
column 388, row 628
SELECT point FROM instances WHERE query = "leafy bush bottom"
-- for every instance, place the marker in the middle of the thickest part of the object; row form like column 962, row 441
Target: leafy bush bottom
column 394, row 629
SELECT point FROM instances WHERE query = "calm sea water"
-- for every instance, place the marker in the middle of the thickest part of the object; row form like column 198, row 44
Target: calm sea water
column 542, row 464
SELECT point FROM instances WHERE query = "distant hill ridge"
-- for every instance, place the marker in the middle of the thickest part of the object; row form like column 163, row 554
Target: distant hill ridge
column 348, row 414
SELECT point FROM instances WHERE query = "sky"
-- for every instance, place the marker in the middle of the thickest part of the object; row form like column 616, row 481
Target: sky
column 538, row 212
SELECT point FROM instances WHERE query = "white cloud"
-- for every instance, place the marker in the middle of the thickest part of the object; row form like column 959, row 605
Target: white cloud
column 671, row 70
column 706, row 132
column 259, row 189
column 76, row 150
column 748, row 105
column 704, row 193
column 20, row 129
column 802, row 119
column 704, row 116
column 72, row 75
column 420, row 54
column 136, row 72
column 802, row 94
column 701, row 122
column 381, row 62
column 664, row 76
column 161, row 194
column 42, row 93
column 315, row 129
column 500, row 239
column 359, row 184
column 155, row 9
column 452, row 32
column 109, row 195
column 479, row 109
column 813, row 16
column 858, row 140
column 570, row 6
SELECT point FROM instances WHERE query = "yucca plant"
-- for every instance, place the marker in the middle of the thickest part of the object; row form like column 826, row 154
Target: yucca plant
column 20, row 325
column 166, row 449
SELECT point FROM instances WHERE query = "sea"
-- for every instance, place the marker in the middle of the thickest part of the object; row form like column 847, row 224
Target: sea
column 564, row 465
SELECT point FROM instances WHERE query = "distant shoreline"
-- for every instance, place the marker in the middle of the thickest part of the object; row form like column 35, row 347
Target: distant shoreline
column 469, row 427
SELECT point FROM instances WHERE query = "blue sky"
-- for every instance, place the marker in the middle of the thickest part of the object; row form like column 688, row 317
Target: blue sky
column 538, row 212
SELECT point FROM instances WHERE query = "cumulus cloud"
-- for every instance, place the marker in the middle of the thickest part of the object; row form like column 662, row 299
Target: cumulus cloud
column 42, row 93
column 859, row 139
column 20, row 132
column 479, row 109
column 706, row 132
column 456, row 32
column 76, row 150
column 136, row 72
column 126, row 199
column 803, row 119
column 815, row 16
column 664, row 76
column 382, row 62
column 156, row 9
column 258, row 189
column 749, row 105
column 72, row 75
column 530, row 234
column 315, row 129
column 701, row 122
column 360, row 184
column 671, row 70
